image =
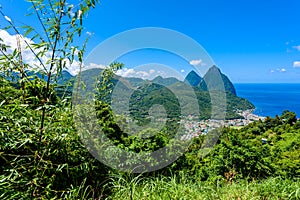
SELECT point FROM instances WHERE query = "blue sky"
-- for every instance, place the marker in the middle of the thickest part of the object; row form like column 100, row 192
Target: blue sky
column 250, row 41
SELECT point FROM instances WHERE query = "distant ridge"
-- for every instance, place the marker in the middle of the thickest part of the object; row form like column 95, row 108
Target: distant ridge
column 156, row 90
column 193, row 79
column 165, row 81
column 148, row 92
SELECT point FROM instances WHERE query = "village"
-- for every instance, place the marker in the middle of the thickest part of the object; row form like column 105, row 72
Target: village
column 196, row 128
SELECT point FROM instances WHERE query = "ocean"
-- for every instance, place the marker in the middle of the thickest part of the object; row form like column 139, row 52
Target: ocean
column 271, row 99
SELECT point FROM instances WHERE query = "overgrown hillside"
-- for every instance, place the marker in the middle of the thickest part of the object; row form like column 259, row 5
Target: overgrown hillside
column 43, row 156
column 57, row 165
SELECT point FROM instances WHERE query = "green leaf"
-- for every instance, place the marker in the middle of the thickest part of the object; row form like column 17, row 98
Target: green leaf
column 28, row 31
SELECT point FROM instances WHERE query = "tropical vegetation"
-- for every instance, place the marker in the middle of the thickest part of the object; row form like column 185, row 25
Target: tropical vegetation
column 42, row 155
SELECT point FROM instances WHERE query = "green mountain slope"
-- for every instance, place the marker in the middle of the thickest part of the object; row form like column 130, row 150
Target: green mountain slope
column 142, row 94
column 134, row 86
column 165, row 81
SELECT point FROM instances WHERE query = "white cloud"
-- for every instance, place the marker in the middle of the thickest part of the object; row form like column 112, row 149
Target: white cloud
column 74, row 67
column 280, row 70
column 128, row 72
column 89, row 33
column 151, row 71
column 125, row 72
column 296, row 64
column 283, row 70
column 30, row 59
column 162, row 73
column 197, row 62
column 143, row 74
column 297, row 47
column 27, row 56
column 94, row 65
column 182, row 71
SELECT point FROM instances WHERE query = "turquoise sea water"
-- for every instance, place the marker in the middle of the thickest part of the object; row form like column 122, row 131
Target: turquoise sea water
column 271, row 99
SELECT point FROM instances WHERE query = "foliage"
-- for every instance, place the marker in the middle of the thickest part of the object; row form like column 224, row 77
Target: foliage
column 243, row 154
column 182, row 187
column 63, row 168
column 106, row 82
column 40, row 151
column 240, row 166
column 53, row 49
column 60, row 167
column 42, row 156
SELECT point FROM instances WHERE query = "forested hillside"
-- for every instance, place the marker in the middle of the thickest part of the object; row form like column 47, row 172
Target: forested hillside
column 145, row 91
column 56, row 164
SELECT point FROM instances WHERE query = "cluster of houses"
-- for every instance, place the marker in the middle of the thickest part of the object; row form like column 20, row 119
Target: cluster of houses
column 195, row 128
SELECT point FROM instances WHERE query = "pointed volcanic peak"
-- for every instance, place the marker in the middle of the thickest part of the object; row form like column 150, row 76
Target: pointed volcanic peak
column 193, row 79
column 211, row 80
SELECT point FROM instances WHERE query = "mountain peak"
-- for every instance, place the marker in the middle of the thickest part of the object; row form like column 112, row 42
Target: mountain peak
column 66, row 73
column 214, row 68
column 212, row 83
column 193, row 78
column 157, row 78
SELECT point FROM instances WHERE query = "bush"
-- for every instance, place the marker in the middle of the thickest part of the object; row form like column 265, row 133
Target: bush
column 51, row 165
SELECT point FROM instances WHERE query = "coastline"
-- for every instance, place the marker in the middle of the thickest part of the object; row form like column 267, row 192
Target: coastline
column 271, row 99
column 249, row 115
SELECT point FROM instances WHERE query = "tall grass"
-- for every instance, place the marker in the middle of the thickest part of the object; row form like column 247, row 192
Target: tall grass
column 182, row 188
